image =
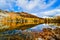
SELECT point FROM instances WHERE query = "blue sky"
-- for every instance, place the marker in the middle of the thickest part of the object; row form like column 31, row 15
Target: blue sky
column 30, row 6
column 36, row 7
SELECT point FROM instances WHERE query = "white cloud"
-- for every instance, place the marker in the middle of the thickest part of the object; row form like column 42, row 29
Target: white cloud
column 6, row 4
column 32, row 4
column 57, row 15
column 52, row 12
column 25, row 4
column 2, row 3
column 34, row 13
column 43, row 5
column 47, row 14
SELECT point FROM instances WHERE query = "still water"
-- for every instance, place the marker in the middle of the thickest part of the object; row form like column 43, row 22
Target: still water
column 33, row 28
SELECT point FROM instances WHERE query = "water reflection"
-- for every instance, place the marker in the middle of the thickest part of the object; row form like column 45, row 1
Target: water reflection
column 31, row 33
column 32, row 27
column 35, row 27
column 28, row 32
column 55, row 24
column 45, row 25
